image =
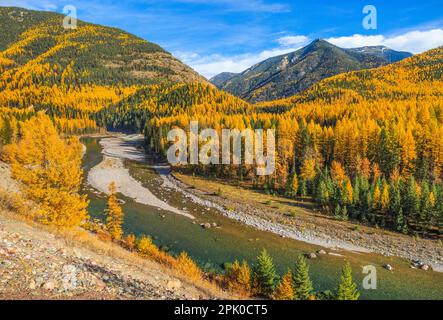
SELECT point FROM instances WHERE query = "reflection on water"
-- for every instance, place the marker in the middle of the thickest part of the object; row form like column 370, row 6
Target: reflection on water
column 211, row 248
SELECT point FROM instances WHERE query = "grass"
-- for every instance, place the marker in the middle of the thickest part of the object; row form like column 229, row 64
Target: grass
column 245, row 194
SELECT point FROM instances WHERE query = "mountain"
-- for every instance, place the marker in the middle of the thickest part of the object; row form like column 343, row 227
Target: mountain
column 221, row 78
column 285, row 75
column 32, row 40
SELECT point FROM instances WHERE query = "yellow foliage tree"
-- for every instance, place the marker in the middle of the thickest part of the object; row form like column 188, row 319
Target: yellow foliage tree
column 238, row 277
column 146, row 248
column 186, row 266
column 385, row 196
column 284, row 290
column 308, row 170
column 50, row 169
column 114, row 213
column 338, row 174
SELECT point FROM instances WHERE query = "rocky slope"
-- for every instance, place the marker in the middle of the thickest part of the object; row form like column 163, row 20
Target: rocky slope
column 288, row 74
column 38, row 264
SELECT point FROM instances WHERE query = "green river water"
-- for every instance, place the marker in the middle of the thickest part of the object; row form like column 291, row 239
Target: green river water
column 213, row 247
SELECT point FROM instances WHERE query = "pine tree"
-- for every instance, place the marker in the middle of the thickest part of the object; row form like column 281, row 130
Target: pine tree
column 301, row 281
column 347, row 290
column 114, row 213
column 264, row 276
column 284, row 290
column 292, row 186
column 400, row 223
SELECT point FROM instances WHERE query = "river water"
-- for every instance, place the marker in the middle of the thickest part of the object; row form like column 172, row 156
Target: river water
column 211, row 248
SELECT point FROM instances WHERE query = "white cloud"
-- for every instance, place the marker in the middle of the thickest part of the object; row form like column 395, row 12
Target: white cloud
column 292, row 40
column 212, row 65
column 413, row 41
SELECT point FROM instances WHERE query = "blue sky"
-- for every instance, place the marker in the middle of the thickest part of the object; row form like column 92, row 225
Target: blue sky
column 231, row 35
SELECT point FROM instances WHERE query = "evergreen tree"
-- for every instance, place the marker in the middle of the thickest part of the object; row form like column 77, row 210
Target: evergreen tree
column 347, row 290
column 292, row 186
column 301, row 281
column 264, row 276
column 400, row 223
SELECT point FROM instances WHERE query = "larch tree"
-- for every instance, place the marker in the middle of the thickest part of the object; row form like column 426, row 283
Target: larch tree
column 50, row 169
column 238, row 277
column 114, row 212
column 284, row 290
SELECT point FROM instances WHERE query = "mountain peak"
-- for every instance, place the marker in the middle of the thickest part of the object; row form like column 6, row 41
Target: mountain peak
column 285, row 75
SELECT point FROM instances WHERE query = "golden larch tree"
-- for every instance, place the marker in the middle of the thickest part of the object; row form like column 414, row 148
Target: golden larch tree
column 49, row 168
column 114, row 212
column 284, row 290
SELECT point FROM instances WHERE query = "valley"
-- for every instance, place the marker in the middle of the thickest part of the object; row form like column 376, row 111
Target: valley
column 87, row 117
column 241, row 235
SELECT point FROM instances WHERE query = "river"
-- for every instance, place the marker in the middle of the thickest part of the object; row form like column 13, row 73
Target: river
column 211, row 248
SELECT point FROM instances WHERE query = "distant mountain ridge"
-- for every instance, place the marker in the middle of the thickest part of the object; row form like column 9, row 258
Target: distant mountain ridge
column 285, row 75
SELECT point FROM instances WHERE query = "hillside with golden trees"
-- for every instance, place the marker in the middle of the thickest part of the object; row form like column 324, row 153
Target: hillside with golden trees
column 366, row 145
column 74, row 73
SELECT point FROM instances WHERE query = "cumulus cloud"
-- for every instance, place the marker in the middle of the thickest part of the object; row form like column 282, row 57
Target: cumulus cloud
column 292, row 40
column 413, row 41
column 211, row 65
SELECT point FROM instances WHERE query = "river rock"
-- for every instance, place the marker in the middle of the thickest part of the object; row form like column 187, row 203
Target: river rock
column 206, row 225
column 388, row 267
column 173, row 284
column 32, row 285
column 312, row 255
column 321, row 251
column 424, row 267
column 214, row 224
column 49, row 285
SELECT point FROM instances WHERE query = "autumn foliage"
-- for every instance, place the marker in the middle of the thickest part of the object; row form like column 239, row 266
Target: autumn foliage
column 49, row 169
column 114, row 212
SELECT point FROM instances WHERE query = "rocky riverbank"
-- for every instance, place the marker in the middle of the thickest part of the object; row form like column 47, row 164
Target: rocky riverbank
column 112, row 169
column 314, row 228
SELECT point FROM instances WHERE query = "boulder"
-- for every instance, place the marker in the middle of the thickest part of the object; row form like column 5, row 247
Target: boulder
column 173, row 284
column 424, row 267
column 312, row 255
column 321, row 251
column 49, row 285
column 388, row 267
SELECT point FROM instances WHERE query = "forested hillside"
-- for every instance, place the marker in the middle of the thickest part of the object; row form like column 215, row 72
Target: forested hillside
column 74, row 73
